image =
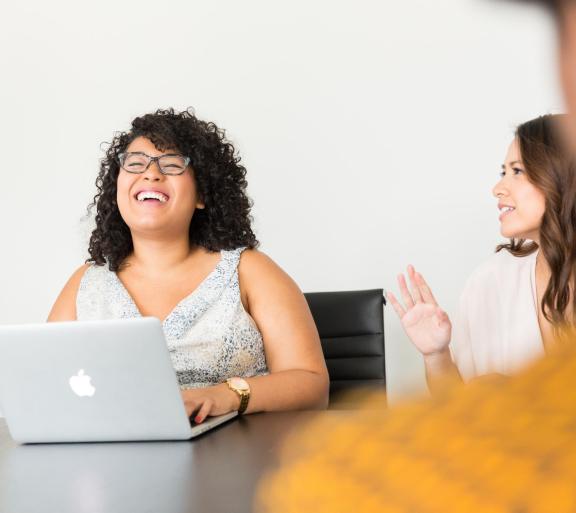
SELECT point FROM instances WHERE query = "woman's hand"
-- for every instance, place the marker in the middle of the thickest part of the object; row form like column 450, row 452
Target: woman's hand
column 427, row 325
column 209, row 401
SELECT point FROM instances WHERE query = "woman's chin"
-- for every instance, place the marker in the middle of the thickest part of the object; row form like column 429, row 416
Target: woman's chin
column 149, row 227
column 509, row 233
column 517, row 234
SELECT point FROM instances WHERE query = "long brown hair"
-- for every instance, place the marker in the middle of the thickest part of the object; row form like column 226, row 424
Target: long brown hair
column 550, row 166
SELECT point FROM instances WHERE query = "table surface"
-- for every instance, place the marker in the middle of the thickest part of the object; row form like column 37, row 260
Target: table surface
column 217, row 472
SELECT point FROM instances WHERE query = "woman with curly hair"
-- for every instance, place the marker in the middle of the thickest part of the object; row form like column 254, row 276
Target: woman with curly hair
column 515, row 304
column 173, row 240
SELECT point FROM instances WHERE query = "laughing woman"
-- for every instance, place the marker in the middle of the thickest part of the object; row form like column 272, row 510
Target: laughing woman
column 515, row 304
column 173, row 240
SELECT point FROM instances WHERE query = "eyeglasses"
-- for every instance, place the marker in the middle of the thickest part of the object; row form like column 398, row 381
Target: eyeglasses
column 137, row 162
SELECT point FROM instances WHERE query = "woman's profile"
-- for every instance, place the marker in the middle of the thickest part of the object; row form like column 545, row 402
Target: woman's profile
column 515, row 304
column 173, row 240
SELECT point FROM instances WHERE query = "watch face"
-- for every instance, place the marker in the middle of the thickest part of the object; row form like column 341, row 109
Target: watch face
column 239, row 384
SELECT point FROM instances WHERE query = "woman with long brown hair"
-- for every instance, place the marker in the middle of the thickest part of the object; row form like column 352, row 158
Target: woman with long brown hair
column 515, row 304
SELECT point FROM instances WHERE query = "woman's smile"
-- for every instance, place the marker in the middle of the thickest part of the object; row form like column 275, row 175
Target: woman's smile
column 151, row 197
column 505, row 210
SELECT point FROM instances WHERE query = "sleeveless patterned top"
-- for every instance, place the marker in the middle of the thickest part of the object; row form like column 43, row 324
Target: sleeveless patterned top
column 209, row 334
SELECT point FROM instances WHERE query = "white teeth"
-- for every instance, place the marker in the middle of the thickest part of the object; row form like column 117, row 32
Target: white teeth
column 152, row 195
column 507, row 209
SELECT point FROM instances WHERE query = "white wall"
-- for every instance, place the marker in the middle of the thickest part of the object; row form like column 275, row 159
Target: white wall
column 372, row 130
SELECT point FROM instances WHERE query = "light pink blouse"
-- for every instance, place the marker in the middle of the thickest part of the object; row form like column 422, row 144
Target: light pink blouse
column 497, row 328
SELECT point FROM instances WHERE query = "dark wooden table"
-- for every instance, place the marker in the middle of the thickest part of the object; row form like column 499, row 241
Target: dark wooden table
column 217, row 472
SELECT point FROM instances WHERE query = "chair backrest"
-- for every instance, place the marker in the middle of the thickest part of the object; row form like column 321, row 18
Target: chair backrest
column 351, row 328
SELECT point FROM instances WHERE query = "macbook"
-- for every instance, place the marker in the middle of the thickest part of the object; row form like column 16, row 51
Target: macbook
column 92, row 381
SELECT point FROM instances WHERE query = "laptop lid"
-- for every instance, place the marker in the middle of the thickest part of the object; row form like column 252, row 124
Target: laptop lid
column 84, row 381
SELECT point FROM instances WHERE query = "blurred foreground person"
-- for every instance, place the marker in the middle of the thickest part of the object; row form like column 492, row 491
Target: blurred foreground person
column 564, row 13
column 495, row 445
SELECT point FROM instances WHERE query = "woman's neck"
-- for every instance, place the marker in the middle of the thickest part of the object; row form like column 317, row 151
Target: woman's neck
column 158, row 256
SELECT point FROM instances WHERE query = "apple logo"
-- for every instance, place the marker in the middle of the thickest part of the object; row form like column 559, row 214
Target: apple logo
column 81, row 386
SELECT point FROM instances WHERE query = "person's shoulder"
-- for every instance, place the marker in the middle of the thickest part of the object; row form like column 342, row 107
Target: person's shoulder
column 503, row 260
column 262, row 279
column 64, row 309
column 254, row 261
column 258, row 268
column 79, row 273
column 501, row 266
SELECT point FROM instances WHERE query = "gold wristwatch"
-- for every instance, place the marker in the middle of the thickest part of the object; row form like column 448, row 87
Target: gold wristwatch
column 242, row 388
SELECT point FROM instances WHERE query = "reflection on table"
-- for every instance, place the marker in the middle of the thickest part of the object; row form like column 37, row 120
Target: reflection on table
column 217, row 472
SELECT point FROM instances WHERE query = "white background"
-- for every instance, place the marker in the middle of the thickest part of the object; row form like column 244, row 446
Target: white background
column 372, row 131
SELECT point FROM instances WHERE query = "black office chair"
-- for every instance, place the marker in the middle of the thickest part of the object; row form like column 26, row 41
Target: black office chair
column 351, row 328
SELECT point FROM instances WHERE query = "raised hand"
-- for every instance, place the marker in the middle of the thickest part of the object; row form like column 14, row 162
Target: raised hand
column 425, row 323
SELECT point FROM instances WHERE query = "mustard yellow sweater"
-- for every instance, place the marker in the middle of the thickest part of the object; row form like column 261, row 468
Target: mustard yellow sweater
column 493, row 446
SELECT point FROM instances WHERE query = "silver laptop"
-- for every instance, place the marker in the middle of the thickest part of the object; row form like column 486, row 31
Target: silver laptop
column 92, row 381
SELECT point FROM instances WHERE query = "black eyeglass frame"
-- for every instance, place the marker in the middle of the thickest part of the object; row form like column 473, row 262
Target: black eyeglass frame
column 122, row 159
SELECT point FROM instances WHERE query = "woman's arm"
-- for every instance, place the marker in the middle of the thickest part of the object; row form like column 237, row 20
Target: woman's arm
column 298, row 376
column 439, row 368
column 428, row 326
column 64, row 308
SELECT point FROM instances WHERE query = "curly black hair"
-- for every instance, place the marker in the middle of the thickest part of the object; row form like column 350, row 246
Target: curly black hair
column 224, row 223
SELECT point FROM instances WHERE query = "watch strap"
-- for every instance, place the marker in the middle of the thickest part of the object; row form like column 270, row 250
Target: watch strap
column 244, row 398
column 243, row 394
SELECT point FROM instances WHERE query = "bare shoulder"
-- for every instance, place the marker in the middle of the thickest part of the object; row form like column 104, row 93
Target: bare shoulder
column 255, row 265
column 64, row 308
column 261, row 279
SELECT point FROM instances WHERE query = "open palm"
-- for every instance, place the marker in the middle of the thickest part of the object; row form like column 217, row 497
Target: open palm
column 425, row 323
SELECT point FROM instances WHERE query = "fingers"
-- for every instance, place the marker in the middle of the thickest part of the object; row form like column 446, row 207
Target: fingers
column 203, row 402
column 442, row 318
column 204, row 411
column 441, row 315
column 192, row 409
column 416, row 293
column 419, row 292
column 199, row 408
column 427, row 295
column 406, row 296
column 395, row 304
